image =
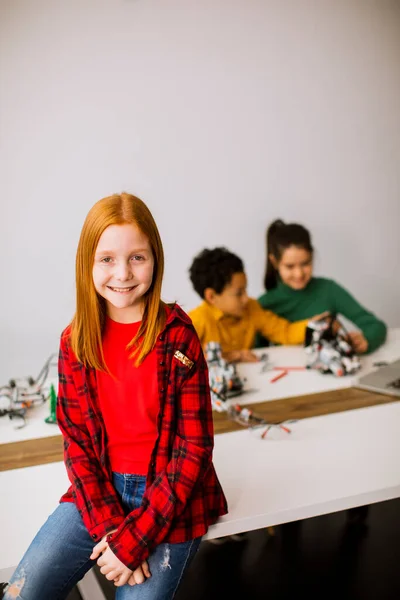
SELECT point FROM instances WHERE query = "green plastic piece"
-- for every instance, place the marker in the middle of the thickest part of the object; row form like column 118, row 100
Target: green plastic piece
column 53, row 401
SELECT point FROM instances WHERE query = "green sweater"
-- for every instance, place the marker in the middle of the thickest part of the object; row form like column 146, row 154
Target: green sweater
column 318, row 296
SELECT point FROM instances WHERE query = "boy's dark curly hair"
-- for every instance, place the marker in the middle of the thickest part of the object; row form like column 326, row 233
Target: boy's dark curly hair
column 214, row 269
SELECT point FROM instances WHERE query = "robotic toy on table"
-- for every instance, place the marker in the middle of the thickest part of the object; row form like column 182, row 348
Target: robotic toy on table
column 23, row 393
column 328, row 350
column 226, row 383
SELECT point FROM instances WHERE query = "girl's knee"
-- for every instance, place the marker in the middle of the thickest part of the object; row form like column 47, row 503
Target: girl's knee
column 29, row 581
column 15, row 587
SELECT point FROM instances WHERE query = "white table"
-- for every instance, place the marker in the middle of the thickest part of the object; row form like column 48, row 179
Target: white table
column 294, row 384
column 327, row 464
column 299, row 383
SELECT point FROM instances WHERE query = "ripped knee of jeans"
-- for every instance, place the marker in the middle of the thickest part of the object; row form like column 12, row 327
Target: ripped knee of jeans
column 12, row 591
column 165, row 564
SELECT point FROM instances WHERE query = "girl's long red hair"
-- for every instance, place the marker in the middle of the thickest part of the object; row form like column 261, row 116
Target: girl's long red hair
column 88, row 322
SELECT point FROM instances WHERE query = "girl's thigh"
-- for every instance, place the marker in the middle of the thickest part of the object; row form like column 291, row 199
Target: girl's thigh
column 56, row 560
column 167, row 565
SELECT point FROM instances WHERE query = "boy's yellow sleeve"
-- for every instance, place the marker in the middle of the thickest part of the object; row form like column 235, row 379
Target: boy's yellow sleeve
column 199, row 325
column 277, row 329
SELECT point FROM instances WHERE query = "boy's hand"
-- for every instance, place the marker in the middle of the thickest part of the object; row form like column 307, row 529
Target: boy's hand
column 336, row 326
column 240, row 356
column 321, row 316
column 248, row 356
column 358, row 341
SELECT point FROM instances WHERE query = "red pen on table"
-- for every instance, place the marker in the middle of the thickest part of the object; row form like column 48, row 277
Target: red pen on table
column 279, row 376
column 289, row 368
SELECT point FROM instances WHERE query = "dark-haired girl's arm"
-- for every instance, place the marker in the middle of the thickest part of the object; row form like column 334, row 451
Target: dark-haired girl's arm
column 374, row 329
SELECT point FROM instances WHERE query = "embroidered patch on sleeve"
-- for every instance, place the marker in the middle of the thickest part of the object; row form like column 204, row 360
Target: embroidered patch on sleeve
column 183, row 359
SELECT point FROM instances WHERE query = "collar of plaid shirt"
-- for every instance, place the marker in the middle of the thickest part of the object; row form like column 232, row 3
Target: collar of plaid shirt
column 183, row 495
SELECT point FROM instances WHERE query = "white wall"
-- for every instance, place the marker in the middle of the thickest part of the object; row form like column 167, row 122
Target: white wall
column 222, row 115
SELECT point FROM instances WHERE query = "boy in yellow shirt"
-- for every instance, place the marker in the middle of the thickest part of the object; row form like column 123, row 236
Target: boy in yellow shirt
column 227, row 315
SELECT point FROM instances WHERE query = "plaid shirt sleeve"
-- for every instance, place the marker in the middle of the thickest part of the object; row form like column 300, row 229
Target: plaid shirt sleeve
column 147, row 526
column 92, row 491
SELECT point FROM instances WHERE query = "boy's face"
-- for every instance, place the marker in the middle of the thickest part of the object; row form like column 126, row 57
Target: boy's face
column 233, row 298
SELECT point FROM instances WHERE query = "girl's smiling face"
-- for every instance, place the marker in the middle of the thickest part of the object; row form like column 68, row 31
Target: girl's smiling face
column 123, row 271
column 295, row 267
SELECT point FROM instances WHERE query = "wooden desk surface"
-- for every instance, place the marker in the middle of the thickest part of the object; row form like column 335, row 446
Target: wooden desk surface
column 298, row 396
column 40, row 451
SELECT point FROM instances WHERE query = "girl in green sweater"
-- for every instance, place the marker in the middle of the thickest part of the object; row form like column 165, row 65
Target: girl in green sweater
column 293, row 292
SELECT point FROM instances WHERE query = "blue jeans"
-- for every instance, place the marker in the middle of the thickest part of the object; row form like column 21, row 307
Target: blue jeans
column 58, row 557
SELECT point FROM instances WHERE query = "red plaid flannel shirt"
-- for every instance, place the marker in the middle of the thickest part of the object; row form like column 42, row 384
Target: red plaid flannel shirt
column 183, row 495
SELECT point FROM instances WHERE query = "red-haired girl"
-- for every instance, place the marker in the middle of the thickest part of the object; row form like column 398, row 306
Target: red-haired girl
column 135, row 414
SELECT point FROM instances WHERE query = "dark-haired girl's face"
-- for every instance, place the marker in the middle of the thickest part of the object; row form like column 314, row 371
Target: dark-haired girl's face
column 295, row 267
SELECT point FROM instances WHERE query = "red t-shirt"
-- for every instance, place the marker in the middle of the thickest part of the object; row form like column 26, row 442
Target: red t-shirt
column 129, row 401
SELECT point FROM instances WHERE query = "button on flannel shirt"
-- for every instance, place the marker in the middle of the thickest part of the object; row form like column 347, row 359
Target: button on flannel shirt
column 183, row 495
